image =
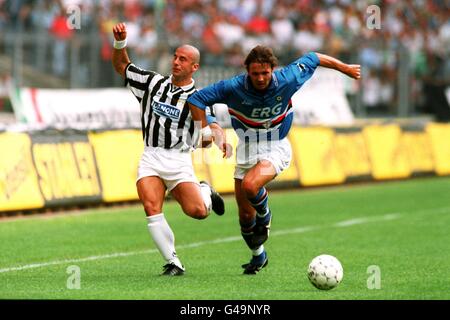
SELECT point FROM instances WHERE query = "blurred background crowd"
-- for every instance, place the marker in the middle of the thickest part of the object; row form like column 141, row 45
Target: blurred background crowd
column 406, row 58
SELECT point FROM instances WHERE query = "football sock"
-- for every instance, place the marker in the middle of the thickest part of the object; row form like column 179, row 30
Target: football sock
column 247, row 232
column 206, row 195
column 258, row 251
column 163, row 238
column 260, row 201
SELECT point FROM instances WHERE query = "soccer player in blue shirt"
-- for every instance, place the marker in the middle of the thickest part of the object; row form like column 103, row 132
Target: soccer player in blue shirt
column 260, row 107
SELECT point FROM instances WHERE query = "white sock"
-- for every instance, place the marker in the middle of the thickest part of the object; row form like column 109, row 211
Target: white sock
column 206, row 195
column 163, row 238
column 258, row 251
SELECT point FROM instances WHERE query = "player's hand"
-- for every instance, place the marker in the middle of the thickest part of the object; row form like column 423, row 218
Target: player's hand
column 353, row 71
column 220, row 139
column 227, row 150
column 120, row 31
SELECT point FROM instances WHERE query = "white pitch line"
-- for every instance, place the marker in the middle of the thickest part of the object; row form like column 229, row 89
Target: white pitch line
column 345, row 223
column 351, row 222
column 91, row 258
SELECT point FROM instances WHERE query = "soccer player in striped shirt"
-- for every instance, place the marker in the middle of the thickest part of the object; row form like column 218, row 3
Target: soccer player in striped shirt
column 260, row 107
column 169, row 136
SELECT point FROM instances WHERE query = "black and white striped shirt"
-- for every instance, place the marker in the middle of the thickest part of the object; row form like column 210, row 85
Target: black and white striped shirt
column 165, row 118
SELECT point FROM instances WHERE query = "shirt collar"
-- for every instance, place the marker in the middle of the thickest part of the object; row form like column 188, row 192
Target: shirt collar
column 184, row 88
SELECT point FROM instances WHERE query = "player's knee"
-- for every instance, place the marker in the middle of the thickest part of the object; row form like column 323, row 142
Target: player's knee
column 151, row 208
column 196, row 211
column 250, row 188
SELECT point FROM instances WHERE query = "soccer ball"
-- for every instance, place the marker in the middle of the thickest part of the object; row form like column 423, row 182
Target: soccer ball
column 325, row 272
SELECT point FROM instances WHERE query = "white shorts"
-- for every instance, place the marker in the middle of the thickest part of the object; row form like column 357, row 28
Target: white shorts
column 277, row 152
column 172, row 166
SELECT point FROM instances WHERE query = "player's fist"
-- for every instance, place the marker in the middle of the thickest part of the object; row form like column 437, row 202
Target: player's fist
column 353, row 71
column 120, row 31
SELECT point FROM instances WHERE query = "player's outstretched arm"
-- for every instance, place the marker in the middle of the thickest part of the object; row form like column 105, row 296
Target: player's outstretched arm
column 351, row 70
column 120, row 58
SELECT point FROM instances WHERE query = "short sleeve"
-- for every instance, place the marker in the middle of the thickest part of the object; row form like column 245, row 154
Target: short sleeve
column 302, row 69
column 138, row 80
column 209, row 95
column 210, row 116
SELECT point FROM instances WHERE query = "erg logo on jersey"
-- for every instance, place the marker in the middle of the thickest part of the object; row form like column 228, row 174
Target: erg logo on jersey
column 166, row 110
column 266, row 112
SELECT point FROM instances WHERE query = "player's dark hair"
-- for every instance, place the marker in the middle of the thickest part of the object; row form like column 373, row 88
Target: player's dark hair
column 261, row 54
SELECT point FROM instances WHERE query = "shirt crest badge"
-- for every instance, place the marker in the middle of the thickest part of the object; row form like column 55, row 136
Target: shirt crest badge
column 267, row 124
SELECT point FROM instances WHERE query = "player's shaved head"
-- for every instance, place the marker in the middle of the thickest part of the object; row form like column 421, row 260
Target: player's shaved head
column 184, row 64
column 193, row 52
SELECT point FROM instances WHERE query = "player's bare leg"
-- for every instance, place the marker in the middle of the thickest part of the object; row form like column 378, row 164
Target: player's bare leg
column 151, row 191
column 189, row 196
column 198, row 200
column 247, row 213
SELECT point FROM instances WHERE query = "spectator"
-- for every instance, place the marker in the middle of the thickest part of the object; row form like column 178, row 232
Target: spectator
column 223, row 28
column 435, row 83
column 61, row 33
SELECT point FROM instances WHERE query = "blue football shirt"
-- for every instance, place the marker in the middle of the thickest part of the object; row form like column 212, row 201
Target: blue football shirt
column 266, row 115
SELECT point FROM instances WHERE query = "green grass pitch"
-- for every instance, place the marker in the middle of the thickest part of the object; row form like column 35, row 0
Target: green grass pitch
column 401, row 227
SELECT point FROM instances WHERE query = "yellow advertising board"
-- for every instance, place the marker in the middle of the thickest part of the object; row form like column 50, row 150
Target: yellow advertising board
column 351, row 152
column 439, row 135
column 418, row 149
column 315, row 157
column 19, row 188
column 388, row 156
column 118, row 153
column 66, row 170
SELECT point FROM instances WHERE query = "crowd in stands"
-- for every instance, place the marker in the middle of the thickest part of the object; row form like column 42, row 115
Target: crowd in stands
column 225, row 30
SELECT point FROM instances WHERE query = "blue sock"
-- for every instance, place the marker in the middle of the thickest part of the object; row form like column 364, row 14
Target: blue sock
column 259, row 259
column 247, row 232
column 260, row 203
column 247, row 227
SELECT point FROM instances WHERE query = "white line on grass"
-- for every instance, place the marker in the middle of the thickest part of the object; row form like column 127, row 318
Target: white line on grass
column 351, row 222
column 345, row 223
column 65, row 261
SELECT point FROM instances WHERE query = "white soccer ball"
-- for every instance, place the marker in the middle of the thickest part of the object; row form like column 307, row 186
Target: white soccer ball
column 325, row 272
